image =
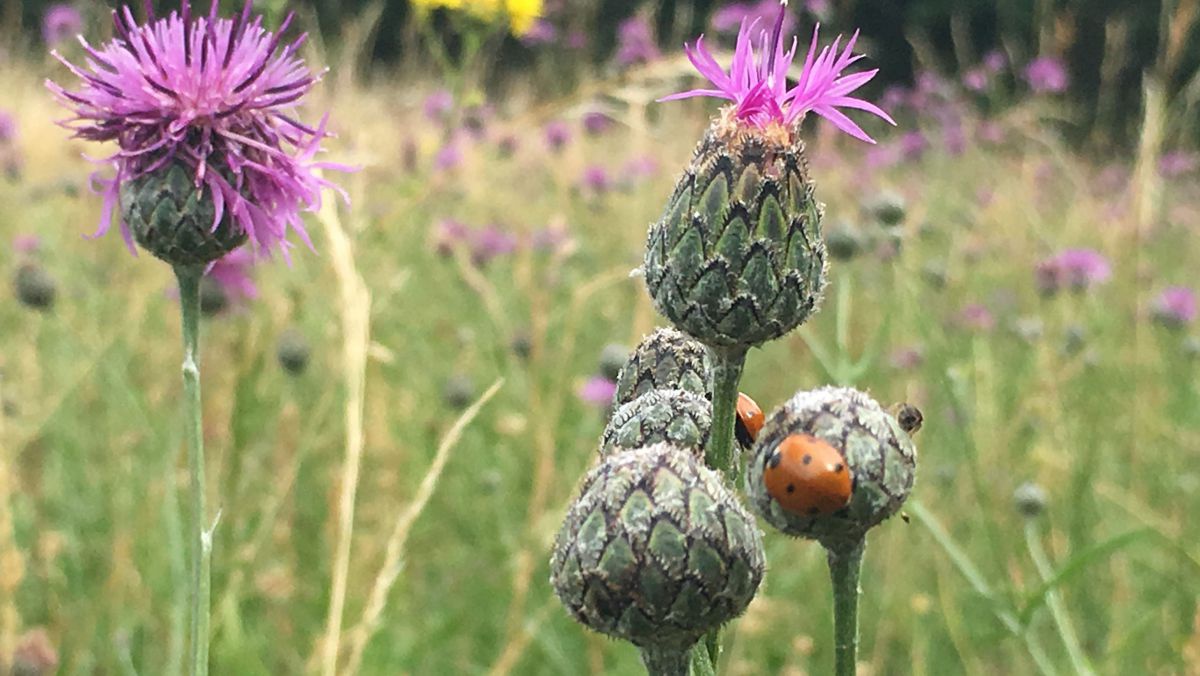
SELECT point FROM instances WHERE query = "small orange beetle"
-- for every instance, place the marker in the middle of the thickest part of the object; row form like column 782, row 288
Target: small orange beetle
column 807, row 476
column 749, row 421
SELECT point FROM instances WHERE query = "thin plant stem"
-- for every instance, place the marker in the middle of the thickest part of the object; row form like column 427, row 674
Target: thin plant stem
column 844, row 567
column 702, row 661
column 201, row 538
column 666, row 662
column 727, row 367
column 1062, row 621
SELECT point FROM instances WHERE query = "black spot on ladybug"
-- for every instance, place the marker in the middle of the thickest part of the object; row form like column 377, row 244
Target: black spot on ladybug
column 774, row 460
column 807, row 458
column 791, row 488
column 838, row 468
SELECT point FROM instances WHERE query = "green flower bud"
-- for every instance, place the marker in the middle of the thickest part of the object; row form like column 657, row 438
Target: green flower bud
column 873, row 445
column 35, row 287
column 656, row 550
column 680, row 417
column 737, row 258
column 459, row 391
column 1030, row 499
column 843, row 241
column 612, row 358
column 293, row 352
column 665, row 360
column 173, row 219
column 887, row 209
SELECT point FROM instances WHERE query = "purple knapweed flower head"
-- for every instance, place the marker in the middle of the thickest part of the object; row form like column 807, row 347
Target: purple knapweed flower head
column 541, row 32
column 597, row 391
column 913, row 145
column 214, row 97
column 1047, row 75
column 558, row 134
column 635, row 42
column 596, row 179
column 491, row 241
column 1177, row 163
column 1078, row 269
column 60, row 23
column 994, row 62
column 730, row 17
column 438, row 105
column 8, row 128
column 976, row 79
column 596, row 123
column 1175, row 306
column 756, row 81
column 449, row 157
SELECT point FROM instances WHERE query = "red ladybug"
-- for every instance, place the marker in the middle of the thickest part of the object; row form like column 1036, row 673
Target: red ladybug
column 807, row 476
column 749, row 421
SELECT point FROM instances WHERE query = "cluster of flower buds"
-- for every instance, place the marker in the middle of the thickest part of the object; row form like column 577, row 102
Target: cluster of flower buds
column 657, row 549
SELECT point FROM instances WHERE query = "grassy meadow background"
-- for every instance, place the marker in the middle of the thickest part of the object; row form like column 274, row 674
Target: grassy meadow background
column 1083, row 393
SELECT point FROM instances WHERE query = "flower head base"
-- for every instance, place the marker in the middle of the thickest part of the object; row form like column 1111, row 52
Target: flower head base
column 212, row 97
column 756, row 81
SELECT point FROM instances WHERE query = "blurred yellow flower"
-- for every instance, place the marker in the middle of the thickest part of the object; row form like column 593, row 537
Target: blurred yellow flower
column 520, row 13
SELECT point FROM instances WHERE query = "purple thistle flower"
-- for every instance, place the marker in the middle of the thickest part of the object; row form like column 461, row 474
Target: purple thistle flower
column 1175, row 306
column 756, row 82
column 438, row 105
column 913, row 145
column 1177, row 163
column 26, row 244
column 558, row 134
column 449, row 157
column 596, row 123
column 635, row 42
column 542, row 32
column 976, row 317
column 976, row 79
column 1078, row 269
column 1047, row 74
column 730, row 17
column 597, row 391
column 491, row 242
column 232, row 272
column 994, row 62
column 212, row 95
column 8, row 128
column 596, row 179
column 60, row 23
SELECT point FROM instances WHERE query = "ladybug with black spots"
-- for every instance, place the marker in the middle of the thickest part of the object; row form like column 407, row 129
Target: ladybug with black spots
column 749, row 422
column 807, row 476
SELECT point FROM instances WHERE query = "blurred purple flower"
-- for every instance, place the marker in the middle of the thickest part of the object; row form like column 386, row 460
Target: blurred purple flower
column 26, row 244
column 558, row 135
column 913, row 145
column 437, row 105
column 976, row 317
column 882, row 156
column 449, row 157
column 895, row 96
column 577, row 40
column 818, row 7
column 906, row 358
column 1047, row 75
column 975, row 79
column 1078, row 269
column 990, row 132
column 8, row 128
column 955, row 139
column 640, row 167
column 448, row 234
column 232, row 273
column 542, row 32
column 635, row 42
column 60, row 23
column 730, row 17
column 1177, row 163
column 596, row 123
column 994, row 62
column 596, row 179
column 491, row 242
column 1175, row 306
column 597, row 391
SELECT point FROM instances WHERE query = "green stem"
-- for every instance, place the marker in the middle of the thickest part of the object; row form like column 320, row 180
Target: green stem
column 844, row 567
column 703, row 664
column 201, row 538
column 1062, row 621
column 726, row 374
column 666, row 662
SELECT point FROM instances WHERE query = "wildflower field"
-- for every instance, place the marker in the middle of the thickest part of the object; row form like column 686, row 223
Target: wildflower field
column 397, row 418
